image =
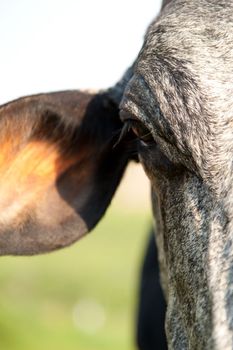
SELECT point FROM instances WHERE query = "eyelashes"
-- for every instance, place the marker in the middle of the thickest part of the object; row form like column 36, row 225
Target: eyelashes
column 138, row 130
column 124, row 131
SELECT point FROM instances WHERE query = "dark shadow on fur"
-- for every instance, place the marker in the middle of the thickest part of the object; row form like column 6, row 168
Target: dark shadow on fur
column 152, row 306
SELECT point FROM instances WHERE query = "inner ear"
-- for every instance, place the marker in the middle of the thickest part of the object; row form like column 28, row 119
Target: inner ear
column 58, row 168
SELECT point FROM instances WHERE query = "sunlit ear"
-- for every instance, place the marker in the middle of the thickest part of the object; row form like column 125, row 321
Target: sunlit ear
column 58, row 168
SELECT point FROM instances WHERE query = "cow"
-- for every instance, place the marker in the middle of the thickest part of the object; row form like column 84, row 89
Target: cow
column 64, row 154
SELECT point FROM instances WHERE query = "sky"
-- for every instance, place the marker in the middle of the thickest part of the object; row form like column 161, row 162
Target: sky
column 52, row 45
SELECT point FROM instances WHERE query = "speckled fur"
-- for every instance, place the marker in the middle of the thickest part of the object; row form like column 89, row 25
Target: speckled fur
column 182, row 90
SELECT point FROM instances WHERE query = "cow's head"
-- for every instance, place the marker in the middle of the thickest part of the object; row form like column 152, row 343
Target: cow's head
column 179, row 103
column 59, row 167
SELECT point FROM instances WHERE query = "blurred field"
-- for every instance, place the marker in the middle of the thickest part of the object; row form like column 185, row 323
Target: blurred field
column 85, row 296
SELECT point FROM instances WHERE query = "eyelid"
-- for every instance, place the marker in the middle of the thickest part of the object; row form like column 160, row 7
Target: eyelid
column 127, row 116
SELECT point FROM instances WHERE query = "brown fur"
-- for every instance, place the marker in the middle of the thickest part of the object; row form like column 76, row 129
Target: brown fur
column 53, row 166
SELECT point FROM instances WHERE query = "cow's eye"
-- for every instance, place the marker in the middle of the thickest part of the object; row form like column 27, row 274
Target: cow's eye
column 139, row 130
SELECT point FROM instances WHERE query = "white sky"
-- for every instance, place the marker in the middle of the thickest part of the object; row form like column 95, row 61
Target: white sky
column 50, row 45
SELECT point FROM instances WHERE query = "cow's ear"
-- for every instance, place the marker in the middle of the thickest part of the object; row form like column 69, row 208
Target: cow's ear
column 58, row 168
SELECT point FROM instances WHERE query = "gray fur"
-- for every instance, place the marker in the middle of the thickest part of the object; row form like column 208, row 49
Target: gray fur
column 181, row 88
column 182, row 91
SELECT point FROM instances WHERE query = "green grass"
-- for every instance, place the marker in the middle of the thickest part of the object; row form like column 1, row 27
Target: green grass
column 40, row 297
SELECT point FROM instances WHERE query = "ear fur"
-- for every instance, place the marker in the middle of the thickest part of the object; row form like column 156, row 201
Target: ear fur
column 58, row 168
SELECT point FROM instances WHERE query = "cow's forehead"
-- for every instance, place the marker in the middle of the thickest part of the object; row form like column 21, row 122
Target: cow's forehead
column 183, row 84
column 193, row 38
